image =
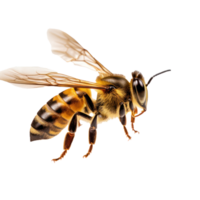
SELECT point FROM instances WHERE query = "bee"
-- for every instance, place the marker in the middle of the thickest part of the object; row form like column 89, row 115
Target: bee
column 116, row 96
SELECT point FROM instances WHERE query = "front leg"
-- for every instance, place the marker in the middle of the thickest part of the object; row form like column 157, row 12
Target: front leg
column 133, row 119
column 122, row 118
column 92, row 134
column 140, row 113
column 132, row 123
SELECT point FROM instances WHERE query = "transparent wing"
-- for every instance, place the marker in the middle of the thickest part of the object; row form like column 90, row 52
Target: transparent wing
column 32, row 77
column 70, row 50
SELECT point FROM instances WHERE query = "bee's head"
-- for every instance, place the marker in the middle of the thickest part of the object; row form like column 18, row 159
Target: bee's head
column 139, row 90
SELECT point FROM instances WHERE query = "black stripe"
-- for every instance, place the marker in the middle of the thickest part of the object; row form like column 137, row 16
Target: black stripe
column 37, row 126
column 49, row 117
column 55, row 106
column 45, row 128
column 67, row 98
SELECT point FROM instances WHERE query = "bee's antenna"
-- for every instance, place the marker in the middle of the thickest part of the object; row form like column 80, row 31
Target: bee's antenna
column 157, row 74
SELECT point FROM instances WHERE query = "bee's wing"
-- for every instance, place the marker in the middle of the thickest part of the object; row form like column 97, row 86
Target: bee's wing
column 32, row 77
column 71, row 51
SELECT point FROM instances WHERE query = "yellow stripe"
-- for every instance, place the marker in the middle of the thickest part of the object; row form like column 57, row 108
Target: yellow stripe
column 54, row 133
column 41, row 121
column 59, row 123
column 34, row 131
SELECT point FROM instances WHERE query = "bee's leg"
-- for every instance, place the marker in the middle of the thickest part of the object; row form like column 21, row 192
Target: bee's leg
column 92, row 134
column 132, row 123
column 132, row 120
column 122, row 118
column 67, row 143
column 87, row 99
column 141, row 113
column 132, row 116
column 72, row 129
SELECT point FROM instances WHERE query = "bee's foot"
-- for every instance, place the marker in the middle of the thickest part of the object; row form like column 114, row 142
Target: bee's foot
column 85, row 156
column 89, row 151
column 61, row 156
column 55, row 160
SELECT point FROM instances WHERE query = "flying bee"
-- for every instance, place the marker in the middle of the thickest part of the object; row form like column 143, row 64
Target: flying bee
column 116, row 96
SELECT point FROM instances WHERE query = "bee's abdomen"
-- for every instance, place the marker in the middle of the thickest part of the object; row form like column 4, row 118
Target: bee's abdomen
column 41, row 129
column 56, row 114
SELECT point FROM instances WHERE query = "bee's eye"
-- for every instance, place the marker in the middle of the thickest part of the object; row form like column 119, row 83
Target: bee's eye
column 140, row 90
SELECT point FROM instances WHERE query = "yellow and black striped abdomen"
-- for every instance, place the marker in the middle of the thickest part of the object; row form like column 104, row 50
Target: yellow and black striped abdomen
column 56, row 114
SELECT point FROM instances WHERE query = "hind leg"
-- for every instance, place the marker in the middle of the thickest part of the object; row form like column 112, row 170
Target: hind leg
column 92, row 134
column 72, row 129
column 67, row 143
